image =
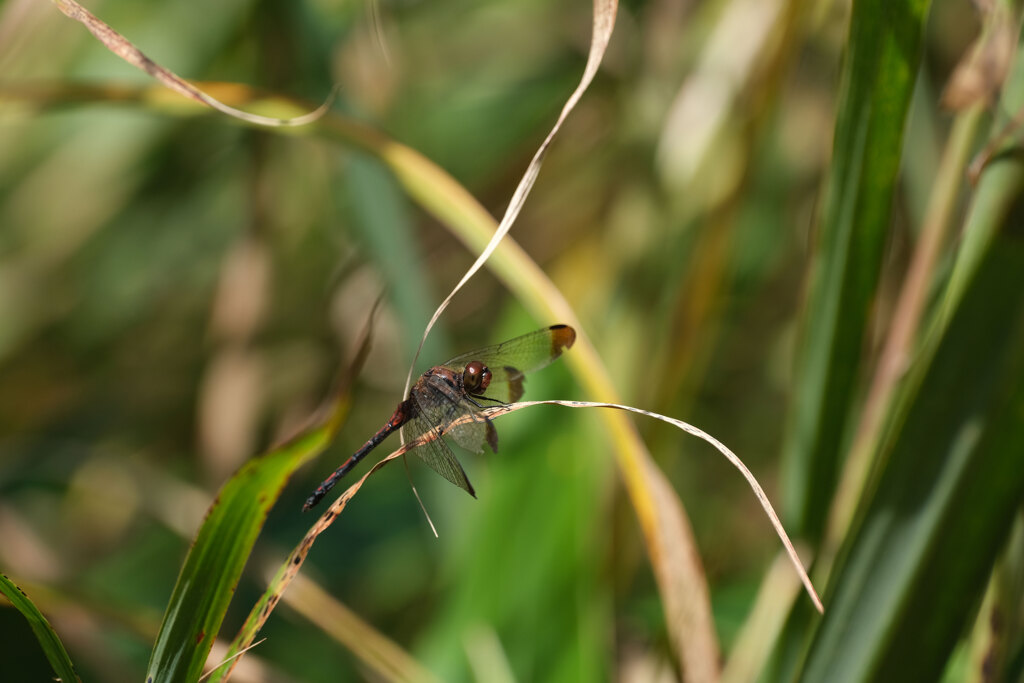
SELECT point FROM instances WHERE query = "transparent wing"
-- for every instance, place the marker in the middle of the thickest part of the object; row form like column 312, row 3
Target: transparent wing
column 436, row 408
column 510, row 361
column 473, row 435
column 438, row 456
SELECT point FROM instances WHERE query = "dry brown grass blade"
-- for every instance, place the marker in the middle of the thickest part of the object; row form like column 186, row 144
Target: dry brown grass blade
column 604, row 22
column 733, row 459
column 127, row 51
column 295, row 560
column 293, row 564
column 290, row 569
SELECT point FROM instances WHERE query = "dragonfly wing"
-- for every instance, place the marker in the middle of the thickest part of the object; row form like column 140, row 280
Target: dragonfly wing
column 528, row 353
column 510, row 361
column 439, row 457
column 473, row 435
column 437, row 406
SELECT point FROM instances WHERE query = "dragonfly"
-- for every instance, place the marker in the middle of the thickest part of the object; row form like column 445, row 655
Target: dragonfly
column 455, row 392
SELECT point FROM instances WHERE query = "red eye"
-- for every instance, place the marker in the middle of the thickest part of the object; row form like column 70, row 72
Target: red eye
column 476, row 377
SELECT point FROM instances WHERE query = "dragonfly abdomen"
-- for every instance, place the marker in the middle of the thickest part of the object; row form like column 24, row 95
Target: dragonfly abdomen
column 401, row 415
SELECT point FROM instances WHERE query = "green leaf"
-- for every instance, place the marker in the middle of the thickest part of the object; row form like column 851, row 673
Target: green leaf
column 221, row 549
column 881, row 62
column 943, row 504
column 47, row 637
column 218, row 555
column 949, row 478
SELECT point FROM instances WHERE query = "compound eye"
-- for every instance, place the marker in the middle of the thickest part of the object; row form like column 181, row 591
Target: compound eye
column 476, row 377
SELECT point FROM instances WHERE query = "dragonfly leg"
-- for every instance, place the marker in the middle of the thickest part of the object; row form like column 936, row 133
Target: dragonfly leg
column 473, row 399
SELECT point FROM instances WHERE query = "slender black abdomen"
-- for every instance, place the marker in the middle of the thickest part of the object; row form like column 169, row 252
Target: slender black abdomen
column 401, row 415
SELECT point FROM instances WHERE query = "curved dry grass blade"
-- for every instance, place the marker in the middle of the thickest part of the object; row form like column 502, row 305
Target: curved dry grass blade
column 604, row 22
column 346, row 627
column 291, row 566
column 288, row 571
column 127, row 51
column 733, row 459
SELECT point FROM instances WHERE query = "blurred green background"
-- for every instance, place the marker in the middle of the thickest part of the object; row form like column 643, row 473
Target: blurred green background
column 178, row 292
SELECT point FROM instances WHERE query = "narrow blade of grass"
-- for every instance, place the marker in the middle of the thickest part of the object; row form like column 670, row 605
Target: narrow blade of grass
column 289, row 570
column 881, row 62
column 215, row 562
column 48, row 639
column 220, row 551
column 879, row 68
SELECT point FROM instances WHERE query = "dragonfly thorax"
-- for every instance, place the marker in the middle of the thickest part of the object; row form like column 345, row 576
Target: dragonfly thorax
column 476, row 378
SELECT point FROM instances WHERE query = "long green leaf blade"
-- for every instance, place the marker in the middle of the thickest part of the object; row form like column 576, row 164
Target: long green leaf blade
column 881, row 62
column 214, row 564
column 945, row 500
column 48, row 639
column 217, row 557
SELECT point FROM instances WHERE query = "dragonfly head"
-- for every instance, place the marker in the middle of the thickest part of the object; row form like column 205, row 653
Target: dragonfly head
column 476, row 377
